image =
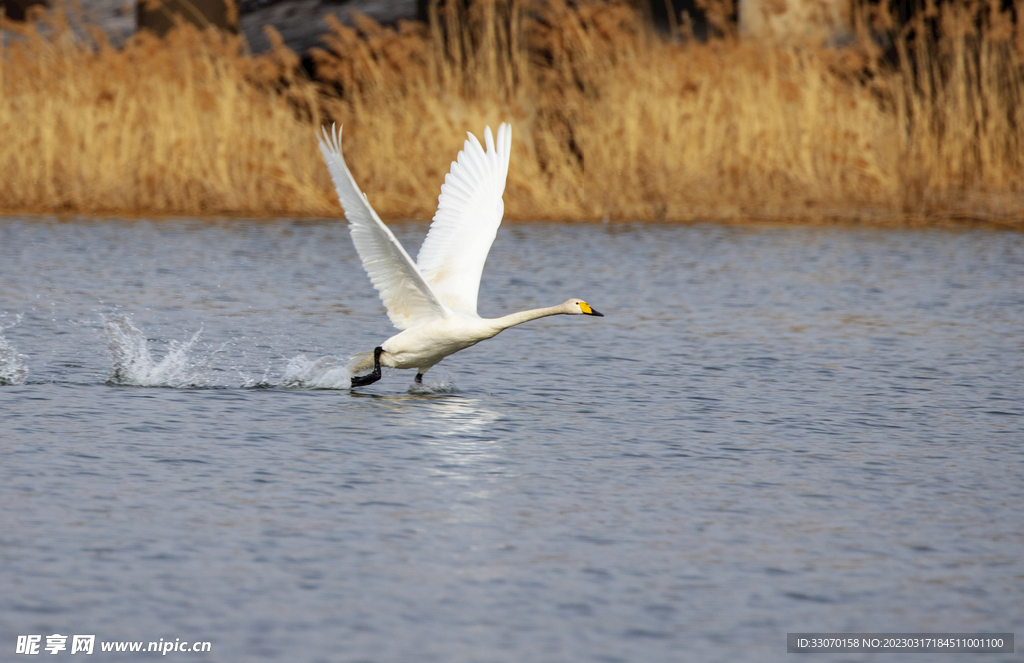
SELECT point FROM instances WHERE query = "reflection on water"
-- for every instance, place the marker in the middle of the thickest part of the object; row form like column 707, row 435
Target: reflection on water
column 454, row 426
column 460, row 417
column 461, row 429
column 771, row 431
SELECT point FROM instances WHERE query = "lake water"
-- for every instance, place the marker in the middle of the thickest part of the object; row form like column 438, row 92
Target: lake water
column 772, row 430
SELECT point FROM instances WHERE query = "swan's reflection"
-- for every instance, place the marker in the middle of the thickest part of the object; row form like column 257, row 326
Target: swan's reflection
column 461, row 429
column 461, row 417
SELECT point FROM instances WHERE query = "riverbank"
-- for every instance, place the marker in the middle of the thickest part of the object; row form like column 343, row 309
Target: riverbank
column 609, row 120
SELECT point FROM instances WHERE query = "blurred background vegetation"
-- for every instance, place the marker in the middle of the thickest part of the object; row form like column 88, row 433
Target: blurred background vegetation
column 881, row 114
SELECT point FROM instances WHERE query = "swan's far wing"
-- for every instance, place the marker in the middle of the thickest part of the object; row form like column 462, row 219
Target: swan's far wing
column 408, row 297
column 468, row 214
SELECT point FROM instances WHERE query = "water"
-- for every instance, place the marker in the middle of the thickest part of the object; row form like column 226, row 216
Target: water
column 772, row 430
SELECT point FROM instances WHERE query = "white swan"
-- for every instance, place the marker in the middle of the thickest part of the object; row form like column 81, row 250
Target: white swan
column 434, row 301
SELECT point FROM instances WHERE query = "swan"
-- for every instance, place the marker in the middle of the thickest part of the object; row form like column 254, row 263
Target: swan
column 433, row 301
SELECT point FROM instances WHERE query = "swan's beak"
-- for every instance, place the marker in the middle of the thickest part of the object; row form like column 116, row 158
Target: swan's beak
column 587, row 310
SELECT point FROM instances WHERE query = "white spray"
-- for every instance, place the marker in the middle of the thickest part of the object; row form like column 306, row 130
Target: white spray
column 134, row 365
column 13, row 369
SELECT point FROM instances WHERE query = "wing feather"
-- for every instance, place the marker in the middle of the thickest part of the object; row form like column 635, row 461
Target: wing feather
column 468, row 214
column 408, row 297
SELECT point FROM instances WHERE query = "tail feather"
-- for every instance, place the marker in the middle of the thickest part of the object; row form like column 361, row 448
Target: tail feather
column 361, row 362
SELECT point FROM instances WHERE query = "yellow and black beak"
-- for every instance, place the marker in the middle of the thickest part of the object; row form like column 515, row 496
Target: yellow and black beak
column 585, row 307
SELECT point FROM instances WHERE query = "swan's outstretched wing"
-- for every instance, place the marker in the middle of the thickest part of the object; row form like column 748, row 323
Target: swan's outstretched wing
column 409, row 299
column 468, row 214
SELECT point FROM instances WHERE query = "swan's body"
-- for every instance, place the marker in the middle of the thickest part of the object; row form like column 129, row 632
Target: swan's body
column 434, row 300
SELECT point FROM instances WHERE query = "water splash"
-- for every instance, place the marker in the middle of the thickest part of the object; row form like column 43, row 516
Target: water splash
column 431, row 387
column 324, row 373
column 133, row 364
column 247, row 381
column 13, row 369
column 332, row 372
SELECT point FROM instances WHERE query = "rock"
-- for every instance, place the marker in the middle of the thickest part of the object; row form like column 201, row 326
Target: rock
column 823, row 21
column 300, row 22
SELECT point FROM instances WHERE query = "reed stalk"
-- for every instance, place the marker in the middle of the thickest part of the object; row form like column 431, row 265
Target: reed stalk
column 611, row 121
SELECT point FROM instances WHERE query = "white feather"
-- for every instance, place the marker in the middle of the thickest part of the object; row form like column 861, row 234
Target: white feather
column 468, row 214
column 408, row 297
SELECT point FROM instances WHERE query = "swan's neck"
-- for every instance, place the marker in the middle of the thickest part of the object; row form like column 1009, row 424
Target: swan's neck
column 514, row 319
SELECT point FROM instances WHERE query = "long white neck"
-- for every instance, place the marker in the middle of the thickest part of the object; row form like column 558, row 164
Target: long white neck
column 513, row 319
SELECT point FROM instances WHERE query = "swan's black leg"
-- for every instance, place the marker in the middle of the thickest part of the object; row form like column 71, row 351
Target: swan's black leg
column 370, row 378
column 419, row 378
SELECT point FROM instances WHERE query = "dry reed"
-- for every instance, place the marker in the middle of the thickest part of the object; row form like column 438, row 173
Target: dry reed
column 610, row 120
column 180, row 126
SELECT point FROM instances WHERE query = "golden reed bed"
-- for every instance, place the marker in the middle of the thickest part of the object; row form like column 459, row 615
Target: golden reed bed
column 610, row 121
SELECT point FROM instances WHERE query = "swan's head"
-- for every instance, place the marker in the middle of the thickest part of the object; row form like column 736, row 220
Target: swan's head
column 580, row 307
